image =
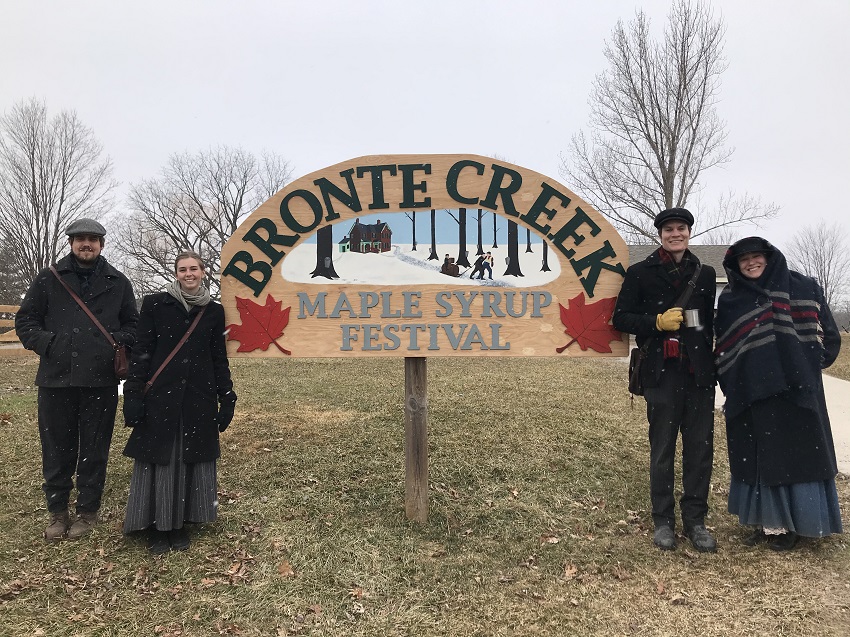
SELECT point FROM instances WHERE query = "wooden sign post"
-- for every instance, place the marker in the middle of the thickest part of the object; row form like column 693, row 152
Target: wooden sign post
column 315, row 272
column 416, row 438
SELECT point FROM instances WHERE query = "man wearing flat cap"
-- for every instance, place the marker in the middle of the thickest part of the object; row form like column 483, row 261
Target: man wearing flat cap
column 677, row 373
column 77, row 385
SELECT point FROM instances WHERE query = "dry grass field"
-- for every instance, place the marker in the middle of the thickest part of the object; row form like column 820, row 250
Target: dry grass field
column 538, row 520
column 841, row 367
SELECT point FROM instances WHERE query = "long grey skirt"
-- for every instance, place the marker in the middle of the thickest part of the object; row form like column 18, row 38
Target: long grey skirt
column 166, row 496
column 807, row 508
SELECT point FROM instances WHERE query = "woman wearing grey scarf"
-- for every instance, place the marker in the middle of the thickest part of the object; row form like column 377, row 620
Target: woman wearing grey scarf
column 178, row 415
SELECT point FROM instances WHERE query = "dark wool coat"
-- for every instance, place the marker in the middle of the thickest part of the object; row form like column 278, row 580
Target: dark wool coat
column 73, row 351
column 774, row 335
column 188, row 388
column 648, row 290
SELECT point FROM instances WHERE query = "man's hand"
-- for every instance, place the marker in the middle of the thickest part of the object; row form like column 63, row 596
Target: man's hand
column 670, row 320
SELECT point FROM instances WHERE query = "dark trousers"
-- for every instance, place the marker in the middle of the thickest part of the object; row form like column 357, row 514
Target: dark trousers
column 75, row 425
column 678, row 404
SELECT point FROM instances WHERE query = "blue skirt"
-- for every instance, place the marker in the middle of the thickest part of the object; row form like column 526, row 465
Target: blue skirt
column 807, row 508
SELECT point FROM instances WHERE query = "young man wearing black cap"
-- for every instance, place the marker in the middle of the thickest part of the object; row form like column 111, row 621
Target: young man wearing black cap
column 677, row 374
column 77, row 386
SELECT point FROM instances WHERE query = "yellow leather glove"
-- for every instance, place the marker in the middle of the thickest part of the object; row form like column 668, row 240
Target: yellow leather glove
column 670, row 320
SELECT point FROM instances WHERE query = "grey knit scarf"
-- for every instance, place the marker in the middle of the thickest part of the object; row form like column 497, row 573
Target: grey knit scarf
column 201, row 298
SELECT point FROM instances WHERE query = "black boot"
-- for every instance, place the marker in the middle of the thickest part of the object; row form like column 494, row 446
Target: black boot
column 755, row 537
column 784, row 542
column 179, row 539
column 158, row 542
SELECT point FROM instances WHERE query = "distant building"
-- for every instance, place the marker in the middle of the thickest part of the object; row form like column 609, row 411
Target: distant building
column 375, row 237
column 708, row 254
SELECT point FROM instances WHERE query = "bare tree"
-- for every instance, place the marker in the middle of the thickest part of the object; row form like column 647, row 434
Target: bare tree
column 433, row 255
column 412, row 216
column 654, row 127
column 324, row 254
column 196, row 203
column 545, row 266
column 462, row 258
column 479, row 247
column 513, row 268
column 821, row 252
column 52, row 171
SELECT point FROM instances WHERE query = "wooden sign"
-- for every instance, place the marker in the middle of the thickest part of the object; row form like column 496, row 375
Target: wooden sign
column 316, row 271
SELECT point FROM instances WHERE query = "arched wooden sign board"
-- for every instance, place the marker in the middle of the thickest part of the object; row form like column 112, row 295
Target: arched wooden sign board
column 304, row 276
column 313, row 272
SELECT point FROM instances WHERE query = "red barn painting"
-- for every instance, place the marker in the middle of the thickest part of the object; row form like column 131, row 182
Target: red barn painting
column 375, row 237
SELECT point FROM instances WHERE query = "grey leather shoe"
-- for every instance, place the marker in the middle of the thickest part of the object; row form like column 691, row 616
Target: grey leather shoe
column 664, row 538
column 701, row 539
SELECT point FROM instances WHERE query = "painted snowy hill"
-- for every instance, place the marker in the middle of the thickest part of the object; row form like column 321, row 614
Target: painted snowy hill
column 404, row 266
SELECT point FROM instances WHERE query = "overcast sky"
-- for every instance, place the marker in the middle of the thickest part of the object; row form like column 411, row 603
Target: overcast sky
column 322, row 82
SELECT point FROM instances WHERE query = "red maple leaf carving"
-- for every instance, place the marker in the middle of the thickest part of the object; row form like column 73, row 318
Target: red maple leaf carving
column 589, row 324
column 261, row 325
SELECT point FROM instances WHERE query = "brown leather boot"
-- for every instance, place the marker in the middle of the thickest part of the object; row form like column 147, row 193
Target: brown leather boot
column 59, row 523
column 83, row 525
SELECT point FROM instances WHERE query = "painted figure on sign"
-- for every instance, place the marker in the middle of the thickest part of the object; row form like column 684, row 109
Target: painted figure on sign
column 478, row 267
column 488, row 266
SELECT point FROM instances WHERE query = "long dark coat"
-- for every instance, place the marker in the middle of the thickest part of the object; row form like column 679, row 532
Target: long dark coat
column 75, row 353
column 648, row 290
column 187, row 389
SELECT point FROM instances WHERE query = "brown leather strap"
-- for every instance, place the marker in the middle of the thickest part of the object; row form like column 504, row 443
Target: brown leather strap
column 682, row 301
column 85, row 308
column 198, row 316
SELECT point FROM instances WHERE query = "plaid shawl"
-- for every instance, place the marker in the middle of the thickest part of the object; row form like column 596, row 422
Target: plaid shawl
column 769, row 339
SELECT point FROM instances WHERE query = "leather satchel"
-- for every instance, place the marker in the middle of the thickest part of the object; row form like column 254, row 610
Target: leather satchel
column 121, row 360
column 635, row 359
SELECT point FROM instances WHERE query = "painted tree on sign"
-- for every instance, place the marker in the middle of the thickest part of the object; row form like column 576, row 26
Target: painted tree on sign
column 545, row 267
column 462, row 258
column 325, row 254
column 513, row 268
column 433, row 256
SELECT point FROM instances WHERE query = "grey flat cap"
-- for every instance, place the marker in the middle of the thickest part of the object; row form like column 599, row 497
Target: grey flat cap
column 85, row 226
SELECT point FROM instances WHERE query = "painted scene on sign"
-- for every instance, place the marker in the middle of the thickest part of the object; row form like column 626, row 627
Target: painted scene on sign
column 463, row 247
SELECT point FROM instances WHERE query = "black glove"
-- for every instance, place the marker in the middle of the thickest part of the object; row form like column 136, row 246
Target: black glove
column 134, row 410
column 226, row 407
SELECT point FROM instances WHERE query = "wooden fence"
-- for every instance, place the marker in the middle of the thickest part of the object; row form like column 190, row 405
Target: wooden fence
column 9, row 343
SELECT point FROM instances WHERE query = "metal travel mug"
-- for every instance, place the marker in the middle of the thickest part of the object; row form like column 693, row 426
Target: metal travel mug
column 692, row 318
